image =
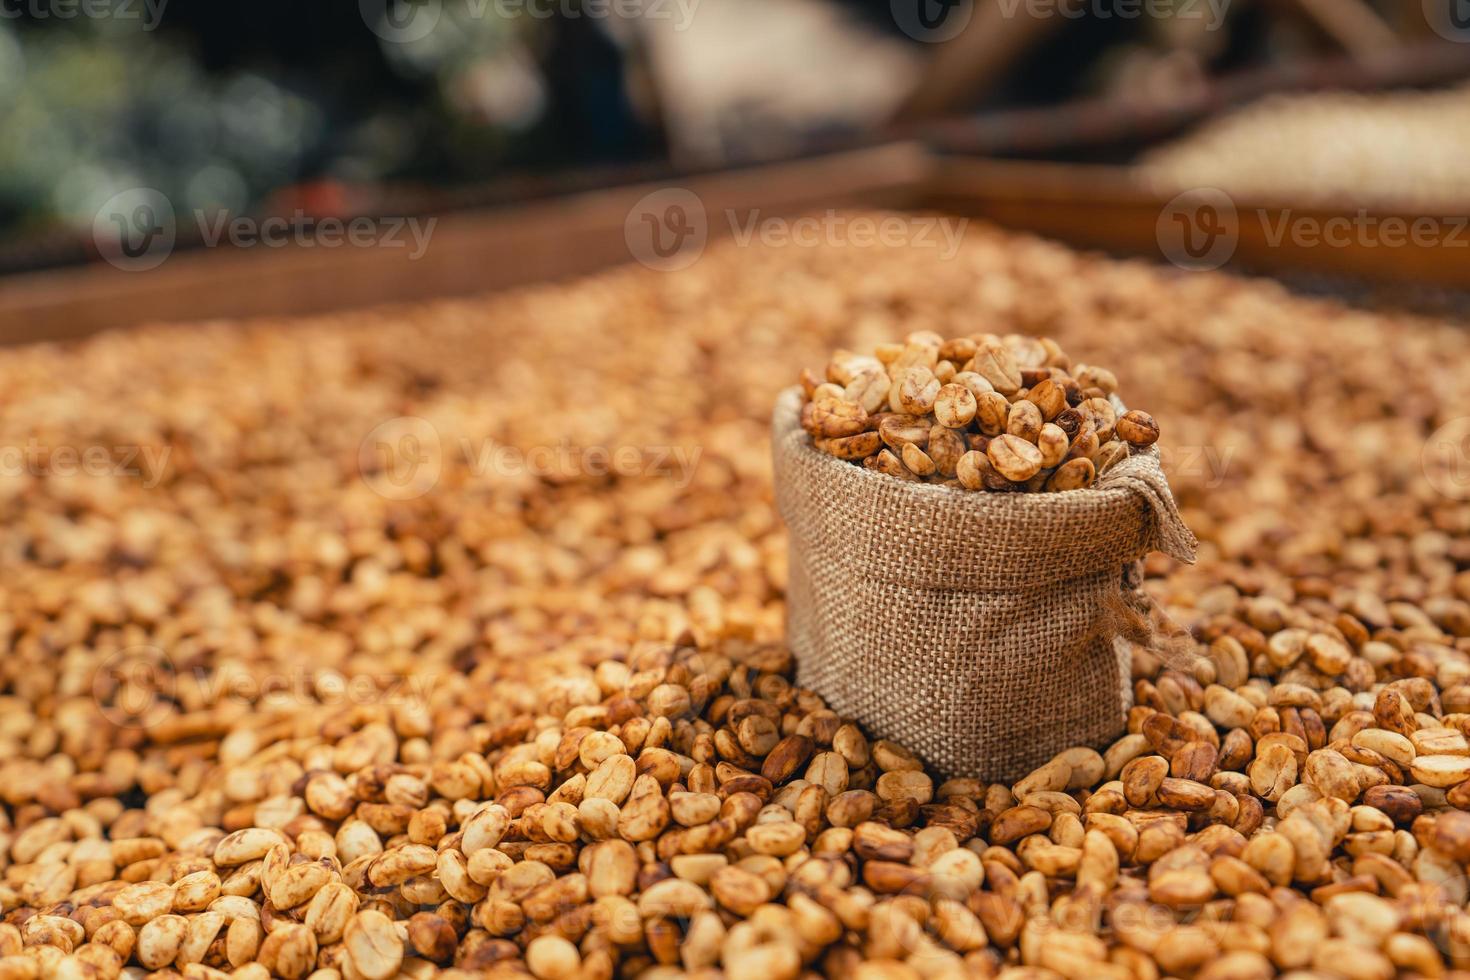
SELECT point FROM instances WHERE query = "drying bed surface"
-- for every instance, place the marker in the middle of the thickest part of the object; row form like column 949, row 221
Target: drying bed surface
column 449, row 638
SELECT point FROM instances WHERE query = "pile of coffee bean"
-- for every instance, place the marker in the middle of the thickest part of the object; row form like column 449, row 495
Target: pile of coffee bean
column 449, row 639
column 980, row 412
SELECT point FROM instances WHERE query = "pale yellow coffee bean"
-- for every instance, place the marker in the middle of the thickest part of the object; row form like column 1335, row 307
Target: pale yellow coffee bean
column 1024, row 421
column 992, row 412
column 917, row 391
column 1053, row 443
column 994, row 363
column 971, row 469
column 917, row 461
column 954, row 407
column 1014, row 458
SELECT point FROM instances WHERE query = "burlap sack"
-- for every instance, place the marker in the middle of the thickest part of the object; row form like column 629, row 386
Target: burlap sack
column 976, row 629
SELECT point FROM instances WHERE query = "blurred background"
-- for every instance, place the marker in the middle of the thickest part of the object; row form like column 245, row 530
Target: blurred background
column 340, row 107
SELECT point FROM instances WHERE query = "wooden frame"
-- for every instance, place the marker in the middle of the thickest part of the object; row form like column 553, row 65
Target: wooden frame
column 1109, row 208
column 477, row 251
column 471, row 252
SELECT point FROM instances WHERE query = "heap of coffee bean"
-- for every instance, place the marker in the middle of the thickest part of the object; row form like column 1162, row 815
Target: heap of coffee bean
column 981, row 412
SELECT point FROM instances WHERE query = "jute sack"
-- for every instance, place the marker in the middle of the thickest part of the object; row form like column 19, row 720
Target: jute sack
column 976, row 629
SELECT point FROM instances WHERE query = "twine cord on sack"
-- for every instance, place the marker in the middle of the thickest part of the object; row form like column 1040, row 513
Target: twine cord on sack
column 1134, row 615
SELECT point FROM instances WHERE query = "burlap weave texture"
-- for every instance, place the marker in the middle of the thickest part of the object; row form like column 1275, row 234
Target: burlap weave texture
column 973, row 628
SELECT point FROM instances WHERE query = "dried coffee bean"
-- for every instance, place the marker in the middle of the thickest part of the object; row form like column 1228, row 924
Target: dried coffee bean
column 991, row 413
column 1074, row 474
column 899, row 430
column 918, row 389
column 1024, row 421
column 1084, row 444
column 1104, row 418
column 1049, row 397
column 945, row 447
column 994, row 363
column 955, row 406
column 1071, row 421
column 1053, row 443
column 976, row 385
column 917, row 461
column 1138, row 428
column 971, row 470
column 1014, row 458
column 868, row 390
column 833, row 418
column 885, row 462
column 854, row 448
column 1092, row 376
